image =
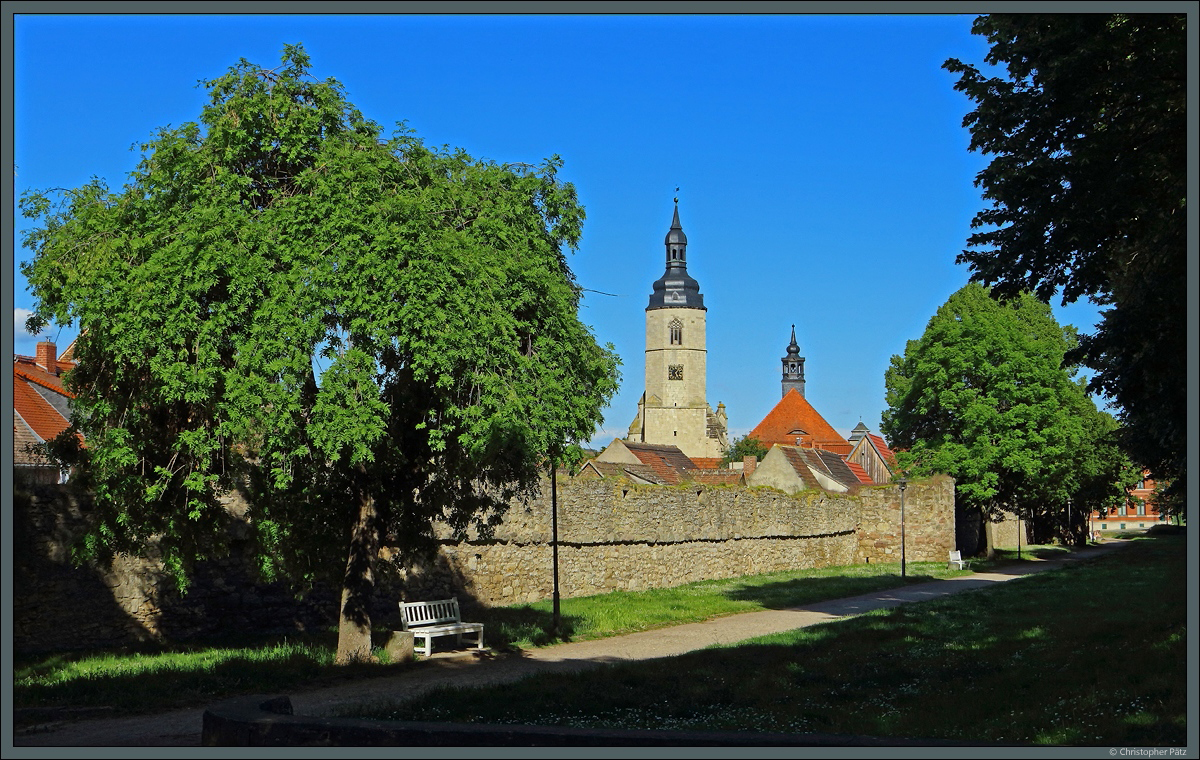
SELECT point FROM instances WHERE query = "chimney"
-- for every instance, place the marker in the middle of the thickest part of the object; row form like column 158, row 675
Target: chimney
column 47, row 356
column 748, row 465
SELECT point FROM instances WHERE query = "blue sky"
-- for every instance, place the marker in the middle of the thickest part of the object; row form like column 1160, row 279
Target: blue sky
column 823, row 170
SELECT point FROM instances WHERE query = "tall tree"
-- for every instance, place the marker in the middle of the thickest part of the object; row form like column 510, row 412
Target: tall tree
column 744, row 447
column 374, row 335
column 983, row 396
column 1088, row 195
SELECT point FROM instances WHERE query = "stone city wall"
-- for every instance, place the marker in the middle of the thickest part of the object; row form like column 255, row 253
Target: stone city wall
column 612, row 536
column 59, row 606
column 928, row 522
column 617, row 536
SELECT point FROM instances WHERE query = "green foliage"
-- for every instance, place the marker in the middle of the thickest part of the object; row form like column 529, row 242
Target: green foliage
column 1087, row 192
column 744, row 447
column 284, row 301
column 983, row 397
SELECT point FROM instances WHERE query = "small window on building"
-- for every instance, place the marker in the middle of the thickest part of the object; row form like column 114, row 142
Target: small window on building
column 1103, row 526
column 1141, row 509
column 675, row 372
column 676, row 328
column 1122, row 526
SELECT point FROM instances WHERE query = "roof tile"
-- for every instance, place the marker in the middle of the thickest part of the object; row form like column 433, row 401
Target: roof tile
column 794, row 413
column 42, row 418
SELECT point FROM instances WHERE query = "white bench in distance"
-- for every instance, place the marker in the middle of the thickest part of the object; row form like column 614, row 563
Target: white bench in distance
column 956, row 559
column 425, row 620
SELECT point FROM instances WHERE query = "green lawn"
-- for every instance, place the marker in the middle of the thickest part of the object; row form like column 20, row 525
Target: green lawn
column 613, row 614
column 155, row 678
column 1092, row 654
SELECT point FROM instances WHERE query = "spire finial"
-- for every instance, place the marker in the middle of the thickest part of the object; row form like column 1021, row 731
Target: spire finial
column 676, row 196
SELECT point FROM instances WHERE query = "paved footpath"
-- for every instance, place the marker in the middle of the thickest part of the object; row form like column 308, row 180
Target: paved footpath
column 181, row 728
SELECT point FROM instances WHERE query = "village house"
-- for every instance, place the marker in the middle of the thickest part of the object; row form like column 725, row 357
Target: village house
column 41, row 411
column 1138, row 513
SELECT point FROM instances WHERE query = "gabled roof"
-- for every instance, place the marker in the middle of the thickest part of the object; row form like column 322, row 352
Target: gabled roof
column 24, row 441
column 706, row 463
column 42, row 418
column 638, row 473
column 836, row 467
column 885, row 453
column 26, row 367
column 799, row 463
column 792, row 418
column 41, row 407
column 807, row 463
column 667, row 461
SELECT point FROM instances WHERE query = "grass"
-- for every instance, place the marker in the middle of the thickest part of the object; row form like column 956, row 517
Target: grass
column 1092, row 654
column 165, row 677
column 614, row 614
column 152, row 678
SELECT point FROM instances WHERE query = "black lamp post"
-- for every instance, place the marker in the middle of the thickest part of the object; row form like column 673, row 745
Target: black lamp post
column 903, row 483
column 554, row 539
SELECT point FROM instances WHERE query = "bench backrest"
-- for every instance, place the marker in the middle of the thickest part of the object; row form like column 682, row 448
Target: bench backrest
column 430, row 613
column 955, row 555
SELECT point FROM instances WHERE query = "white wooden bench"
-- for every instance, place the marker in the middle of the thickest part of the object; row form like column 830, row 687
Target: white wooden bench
column 956, row 559
column 425, row 620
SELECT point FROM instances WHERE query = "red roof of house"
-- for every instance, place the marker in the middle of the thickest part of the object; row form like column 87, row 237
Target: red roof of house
column 27, row 368
column 859, row 472
column 706, row 463
column 793, row 422
column 888, row 455
column 39, row 415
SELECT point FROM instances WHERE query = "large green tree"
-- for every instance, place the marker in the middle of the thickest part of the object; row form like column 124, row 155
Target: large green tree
column 983, row 396
column 1088, row 198
column 373, row 335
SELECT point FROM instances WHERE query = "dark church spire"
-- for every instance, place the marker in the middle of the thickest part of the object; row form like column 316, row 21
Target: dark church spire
column 793, row 367
column 676, row 289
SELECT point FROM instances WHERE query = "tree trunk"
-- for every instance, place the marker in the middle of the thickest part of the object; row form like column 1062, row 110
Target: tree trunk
column 354, row 621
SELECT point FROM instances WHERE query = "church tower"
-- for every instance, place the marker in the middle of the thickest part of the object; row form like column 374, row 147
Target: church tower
column 793, row 367
column 673, row 410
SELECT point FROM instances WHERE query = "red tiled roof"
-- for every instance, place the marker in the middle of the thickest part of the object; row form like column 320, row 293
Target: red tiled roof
column 25, row 367
column 706, row 463
column 24, row 441
column 793, row 413
column 859, row 472
column 888, row 455
column 38, row 414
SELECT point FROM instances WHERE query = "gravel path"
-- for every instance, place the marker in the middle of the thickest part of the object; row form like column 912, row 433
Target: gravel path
column 181, row 728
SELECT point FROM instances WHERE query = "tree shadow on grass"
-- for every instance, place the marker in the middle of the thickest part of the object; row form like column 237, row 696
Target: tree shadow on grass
column 184, row 681
column 803, row 591
column 506, row 627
